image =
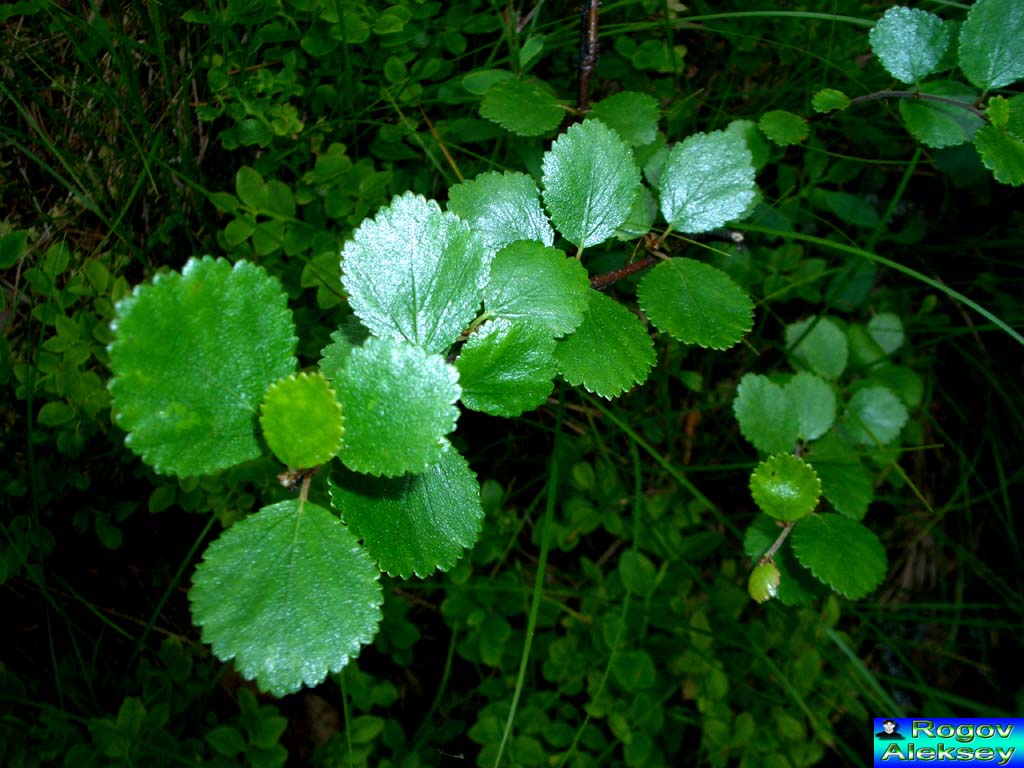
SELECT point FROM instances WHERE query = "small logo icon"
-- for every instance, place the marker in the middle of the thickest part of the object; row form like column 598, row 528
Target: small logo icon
column 889, row 732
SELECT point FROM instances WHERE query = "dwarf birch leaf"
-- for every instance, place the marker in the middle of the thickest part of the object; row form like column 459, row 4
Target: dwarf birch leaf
column 287, row 593
column 506, row 368
column 767, row 417
column 815, row 404
column 414, row 273
column 609, row 352
column 502, row 208
column 349, row 336
column 937, row 124
column 829, row 100
column 844, row 481
column 796, row 584
column 992, row 43
column 818, row 345
column 1002, row 153
column 707, row 181
column 413, row 524
column 633, row 115
column 533, row 282
column 784, row 128
column 695, row 303
column 841, row 553
column 641, row 217
column 590, row 181
column 524, row 107
column 874, row 415
column 399, row 404
column 909, row 43
column 785, row 487
column 302, row 421
column 192, row 356
column 886, row 329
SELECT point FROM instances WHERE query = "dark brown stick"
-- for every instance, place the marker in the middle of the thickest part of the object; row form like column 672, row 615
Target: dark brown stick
column 588, row 52
column 600, row 282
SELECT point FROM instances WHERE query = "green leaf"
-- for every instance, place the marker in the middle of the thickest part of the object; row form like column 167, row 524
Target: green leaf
column 784, row 128
column 695, row 303
column 506, row 368
column 1002, row 153
column 524, row 107
column 796, row 584
column 302, row 421
column 844, row 481
column 909, row 43
column 55, row 413
column 250, row 188
column 538, row 284
column 634, row 670
column 633, row 115
column 764, row 580
column 818, row 345
column 905, row 383
column 841, row 553
column 992, row 43
column 815, row 404
column 590, row 181
column 226, row 740
column 829, row 100
column 609, row 352
column 413, row 524
column 936, row 124
column 886, row 329
column 785, row 487
column 766, row 415
column 501, row 208
column 287, row 593
column 637, row 572
column 12, row 245
column 399, row 404
column 641, row 217
column 415, row 273
column 874, row 415
column 334, row 357
column 852, row 209
column 192, row 357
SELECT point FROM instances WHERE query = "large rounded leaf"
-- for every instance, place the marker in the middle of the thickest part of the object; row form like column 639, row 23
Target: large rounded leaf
column 909, row 42
column 192, row 356
column 992, row 43
column 939, row 123
column 841, row 553
column 524, row 107
column 502, row 208
column 766, row 415
column 287, row 593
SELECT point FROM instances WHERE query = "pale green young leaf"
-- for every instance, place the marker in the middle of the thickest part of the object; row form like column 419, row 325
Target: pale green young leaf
column 937, row 124
column 633, row 115
column 886, row 328
column 415, row 273
column 874, row 415
column 818, row 345
column 192, row 356
column 1002, row 153
column 609, row 352
column 538, row 284
column 302, row 420
column 797, row 586
column 784, row 128
column 695, row 303
column 829, row 100
column 288, row 594
column 502, row 208
column 992, row 43
column 524, row 107
column 413, row 524
column 840, row 552
column 815, row 403
column 506, row 368
column 399, row 404
column 785, row 487
column 590, row 181
column 844, row 482
column 708, row 180
column 766, row 415
column 909, row 42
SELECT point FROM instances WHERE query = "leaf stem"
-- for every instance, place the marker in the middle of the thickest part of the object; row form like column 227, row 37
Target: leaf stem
column 881, row 95
column 778, row 542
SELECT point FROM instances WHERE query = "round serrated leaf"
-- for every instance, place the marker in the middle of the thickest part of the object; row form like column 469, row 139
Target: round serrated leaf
column 506, row 368
column 193, row 353
column 841, row 553
column 785, row 487
column 524, row 107
column 287, row 593
column 874, row 415
column 502, row 208
column 349, row 336
column 413, row 524
column 590, row 181
column 415, row 273
column 766, row 415
column 696, row 303
column 992, row 43
column 707, row 181
column 609, row 352
column 818, row 345
column 796, row 584
column 633, row 115
column 399, row 404
column 909, row 42
column 302, row 421
column 784, row 128
column 844, row 481
column 886, row 328
column 541, row 285
column 815, row 404
column 1002, row 153
column 938, row 124
column 829, row 100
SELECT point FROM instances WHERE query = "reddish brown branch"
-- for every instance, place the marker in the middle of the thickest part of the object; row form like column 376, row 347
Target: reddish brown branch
column 600, row 282
column 588, row 52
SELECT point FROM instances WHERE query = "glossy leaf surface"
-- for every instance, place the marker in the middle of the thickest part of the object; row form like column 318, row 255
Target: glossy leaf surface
column 815, row 404
column 785, row 487
column 502, row 208
column 909, row 43
column 796, row 584
column 874, row 415
column 633, row 115
column 524, row 107
column 992, row 43
column 302, row 420
column 1002, row 153
column 939, row 124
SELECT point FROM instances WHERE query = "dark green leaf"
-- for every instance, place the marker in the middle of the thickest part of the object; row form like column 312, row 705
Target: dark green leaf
column 909, row 43
column 766, row 415
column 633, row 115
column 784, row 128
column 841, row 553
column 874, row 415
column 524, row 107
column 818, row 345
column 1002, row 153
column 992, row 43
column 937, row 124
column 815, row 404
column 844, row 481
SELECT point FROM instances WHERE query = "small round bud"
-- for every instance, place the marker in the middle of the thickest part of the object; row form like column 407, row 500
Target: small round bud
column 764, row 581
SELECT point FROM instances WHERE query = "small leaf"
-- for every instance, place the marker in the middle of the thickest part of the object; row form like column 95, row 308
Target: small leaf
column 766, row 415
column 538, row 284
column 641, row 217
column 399, row 404
column 785, row 487
column 841, row 553
column 415, row 273
column 696, row 303
column 1002, row 153
column 708, row 180
column 633, row 115
column 829, row 100
column 815, row 404
column 818, row 345
column 590, row 181
column 250, row 188
column 287, row 593
column 609, row 352
column 875, row 415
column 524, row 107
column 886, row 329
column 784, row 128
column 637, row 572
column 998, row 111
column 506, row 368
column 909, row 43
column 502, row 208
column 12, row 245
column 764, row 581
column 992, row 43
column 192, row 356
column 350, row 336
column 796, row 584
column 55, row 413
column 937, row 124
column 413, row 524
column 302, row 421
column 844, row 481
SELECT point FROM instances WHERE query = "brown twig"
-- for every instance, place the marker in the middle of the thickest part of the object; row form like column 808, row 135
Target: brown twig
column 588, row 52
column 600, row 282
